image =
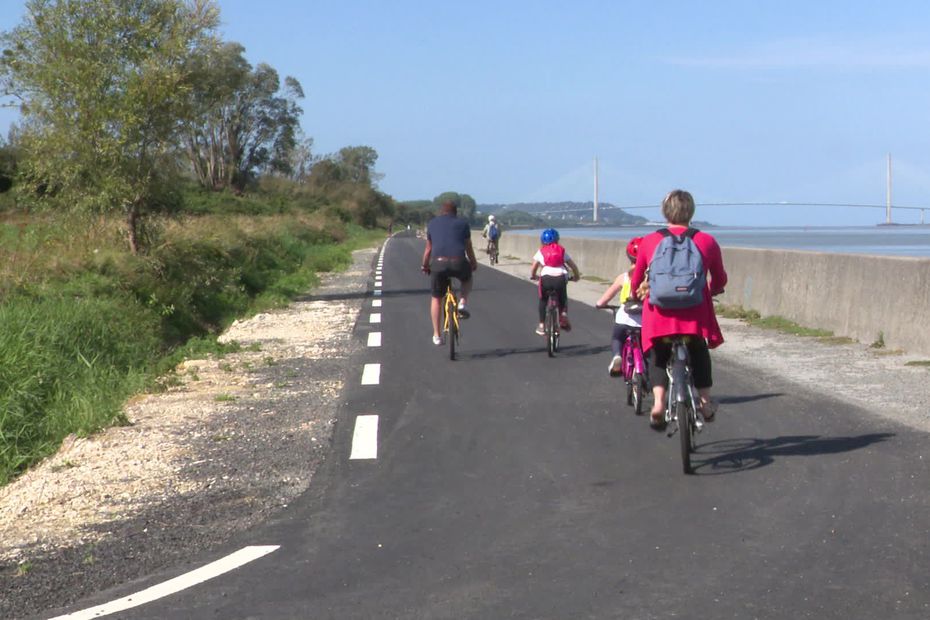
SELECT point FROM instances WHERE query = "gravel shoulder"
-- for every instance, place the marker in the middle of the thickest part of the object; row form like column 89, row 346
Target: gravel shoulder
column 242, row 436
column 233, row 443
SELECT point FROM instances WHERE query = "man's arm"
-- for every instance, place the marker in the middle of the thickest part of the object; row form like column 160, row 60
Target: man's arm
column 470, row 253
column 426, row 254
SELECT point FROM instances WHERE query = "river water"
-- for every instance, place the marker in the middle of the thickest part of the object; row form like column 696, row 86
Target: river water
column 872, row 240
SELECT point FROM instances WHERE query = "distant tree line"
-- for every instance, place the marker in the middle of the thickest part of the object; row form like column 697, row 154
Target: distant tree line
column 420, row 212
column 122, row 100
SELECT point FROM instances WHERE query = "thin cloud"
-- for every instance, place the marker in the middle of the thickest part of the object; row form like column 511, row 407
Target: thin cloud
column 808, row 53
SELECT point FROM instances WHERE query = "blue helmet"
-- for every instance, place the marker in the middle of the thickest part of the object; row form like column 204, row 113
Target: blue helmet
column 550, row 235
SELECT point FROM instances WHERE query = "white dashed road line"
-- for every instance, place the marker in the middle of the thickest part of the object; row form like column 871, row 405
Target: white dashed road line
column 182, row 582
column 365, row 438
column 371, row 375
column 376, row 303
column 374, row 339
column 375, row 317
column 377, row 293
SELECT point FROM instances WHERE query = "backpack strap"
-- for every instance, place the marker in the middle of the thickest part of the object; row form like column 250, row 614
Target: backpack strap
column 690, row 232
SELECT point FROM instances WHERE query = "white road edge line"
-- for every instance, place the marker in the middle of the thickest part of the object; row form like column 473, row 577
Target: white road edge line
column 374, row 339
column 181, row 582
column 371, row 375
column 365, row 438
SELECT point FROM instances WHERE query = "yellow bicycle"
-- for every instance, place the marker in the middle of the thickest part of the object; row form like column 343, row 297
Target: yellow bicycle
column 450, row 320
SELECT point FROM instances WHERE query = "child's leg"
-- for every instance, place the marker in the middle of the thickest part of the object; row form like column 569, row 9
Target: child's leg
column 542, row 301
column 617, row 338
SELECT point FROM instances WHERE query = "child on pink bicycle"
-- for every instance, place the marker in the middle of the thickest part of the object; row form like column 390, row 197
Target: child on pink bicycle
column 629, row 315
column 551, row 265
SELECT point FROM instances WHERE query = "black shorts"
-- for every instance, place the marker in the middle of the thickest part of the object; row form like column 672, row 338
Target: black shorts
column 701, row 371
column 443, row 269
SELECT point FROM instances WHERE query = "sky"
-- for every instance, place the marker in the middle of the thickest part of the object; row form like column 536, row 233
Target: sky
column 511, row 101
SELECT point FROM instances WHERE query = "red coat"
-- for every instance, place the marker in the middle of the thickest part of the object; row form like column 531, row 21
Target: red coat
column 699, row 320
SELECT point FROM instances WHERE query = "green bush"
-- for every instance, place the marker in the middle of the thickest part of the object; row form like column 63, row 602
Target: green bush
column 84, row 324
column 66, row 365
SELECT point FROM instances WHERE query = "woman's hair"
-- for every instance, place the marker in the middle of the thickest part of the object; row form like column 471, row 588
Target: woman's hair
column 678, row 207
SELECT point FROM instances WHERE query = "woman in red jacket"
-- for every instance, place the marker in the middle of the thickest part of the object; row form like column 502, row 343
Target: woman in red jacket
column 699, row 320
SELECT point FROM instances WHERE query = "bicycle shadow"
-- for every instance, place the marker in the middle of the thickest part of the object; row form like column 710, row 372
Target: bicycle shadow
column 736, row 400
column 738, row 455
column 575, row 350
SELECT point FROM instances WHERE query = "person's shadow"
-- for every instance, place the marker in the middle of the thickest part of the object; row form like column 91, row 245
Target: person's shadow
column 736, row 455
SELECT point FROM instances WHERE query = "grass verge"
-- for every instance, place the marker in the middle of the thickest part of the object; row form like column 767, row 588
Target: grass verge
column 85, row 325
column 781, row 324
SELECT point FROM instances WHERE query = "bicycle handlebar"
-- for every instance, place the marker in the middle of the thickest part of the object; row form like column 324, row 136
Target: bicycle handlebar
column 572, row 278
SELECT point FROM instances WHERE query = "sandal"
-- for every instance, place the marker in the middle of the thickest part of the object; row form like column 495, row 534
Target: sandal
column 709, row 409
column 657, row 422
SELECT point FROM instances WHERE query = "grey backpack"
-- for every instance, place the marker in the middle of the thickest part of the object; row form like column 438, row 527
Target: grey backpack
column 676, row 272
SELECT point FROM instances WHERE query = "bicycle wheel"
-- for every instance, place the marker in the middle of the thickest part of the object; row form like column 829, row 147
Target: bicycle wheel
column 682, row 414
column 453, row 337
column 637, row 393
column 552, row 334
column 449, row 324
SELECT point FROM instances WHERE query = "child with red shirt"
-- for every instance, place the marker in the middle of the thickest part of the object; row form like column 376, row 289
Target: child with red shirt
column 550, row 265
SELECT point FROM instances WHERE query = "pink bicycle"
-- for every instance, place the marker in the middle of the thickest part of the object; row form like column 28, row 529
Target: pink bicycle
column 634, row 370
column 633, row 367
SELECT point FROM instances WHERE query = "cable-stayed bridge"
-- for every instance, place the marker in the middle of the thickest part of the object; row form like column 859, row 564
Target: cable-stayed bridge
column 589, row 207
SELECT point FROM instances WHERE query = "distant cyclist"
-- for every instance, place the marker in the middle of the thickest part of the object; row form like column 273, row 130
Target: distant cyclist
column 492, row 232
column 551, row 265
column 448, row 254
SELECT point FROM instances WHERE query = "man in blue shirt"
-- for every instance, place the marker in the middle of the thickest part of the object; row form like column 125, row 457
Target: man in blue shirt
column 448, row 254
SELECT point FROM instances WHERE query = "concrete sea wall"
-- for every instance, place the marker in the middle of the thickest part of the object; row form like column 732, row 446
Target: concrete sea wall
column 851, row 295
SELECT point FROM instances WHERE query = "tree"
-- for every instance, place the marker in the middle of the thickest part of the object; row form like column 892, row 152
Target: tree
column 358, row 164
column 244, row 122
column 103, row 87
column 9, row 156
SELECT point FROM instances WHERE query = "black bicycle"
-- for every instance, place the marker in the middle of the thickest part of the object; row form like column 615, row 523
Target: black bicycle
column 493, row 252
column 551, row 323
column 551, row 320
column 681, row 400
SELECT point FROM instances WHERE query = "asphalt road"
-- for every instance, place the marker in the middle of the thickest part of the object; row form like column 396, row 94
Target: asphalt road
column 511, row 485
